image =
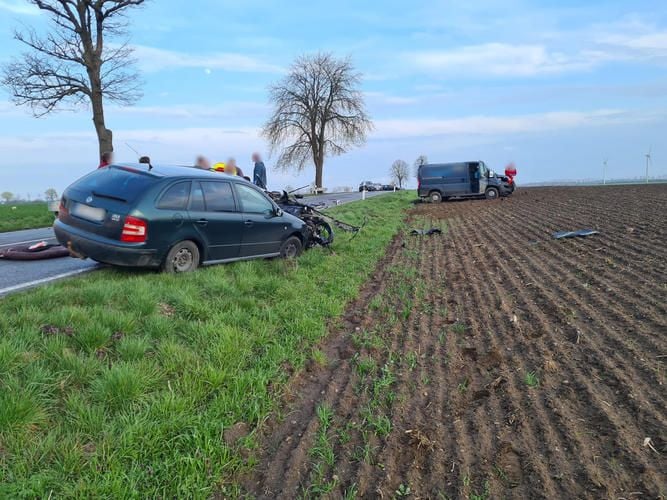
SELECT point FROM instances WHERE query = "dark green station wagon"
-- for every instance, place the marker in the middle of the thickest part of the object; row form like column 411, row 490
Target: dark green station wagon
column 173, row 217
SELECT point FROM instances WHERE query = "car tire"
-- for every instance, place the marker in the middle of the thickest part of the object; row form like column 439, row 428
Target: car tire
column 183, row 257
column 291, row 248
column 435, row 197
column 491, row 193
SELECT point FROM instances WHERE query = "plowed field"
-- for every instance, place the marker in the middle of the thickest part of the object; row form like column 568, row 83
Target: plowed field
column 492, row 361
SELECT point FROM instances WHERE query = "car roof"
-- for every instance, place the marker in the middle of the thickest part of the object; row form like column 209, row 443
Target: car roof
column 175, row 171
column 449, row 163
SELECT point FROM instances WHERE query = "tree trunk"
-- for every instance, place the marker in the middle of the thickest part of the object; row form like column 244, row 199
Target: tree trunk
column 319, row 164
column 104, row 135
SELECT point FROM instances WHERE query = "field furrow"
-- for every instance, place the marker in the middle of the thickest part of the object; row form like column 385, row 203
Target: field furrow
column 492, row 361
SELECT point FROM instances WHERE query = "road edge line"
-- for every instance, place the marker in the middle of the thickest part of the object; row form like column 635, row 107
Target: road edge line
column 16, row 288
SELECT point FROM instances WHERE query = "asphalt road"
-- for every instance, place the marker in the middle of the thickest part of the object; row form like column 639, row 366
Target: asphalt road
column 20, row 275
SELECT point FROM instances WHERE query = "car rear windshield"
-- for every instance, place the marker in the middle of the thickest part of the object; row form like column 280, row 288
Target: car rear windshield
column 118, row 183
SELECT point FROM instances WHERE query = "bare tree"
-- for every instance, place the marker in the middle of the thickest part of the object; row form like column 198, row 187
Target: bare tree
column 51, row 194
column 318, row 111
column 399, row 172
column 421, row 160
column 73, row 63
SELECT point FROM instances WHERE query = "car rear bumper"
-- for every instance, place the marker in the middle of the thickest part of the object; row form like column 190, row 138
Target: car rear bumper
column 103, row 250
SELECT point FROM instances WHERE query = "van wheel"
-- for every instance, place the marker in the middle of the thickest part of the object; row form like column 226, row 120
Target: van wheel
column 291, row 248
column 183, row 257
column 491, row 194
column 435, row 197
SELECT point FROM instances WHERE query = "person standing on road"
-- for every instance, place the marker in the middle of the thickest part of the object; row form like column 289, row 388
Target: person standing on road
column 106, row 159
column 259, row 173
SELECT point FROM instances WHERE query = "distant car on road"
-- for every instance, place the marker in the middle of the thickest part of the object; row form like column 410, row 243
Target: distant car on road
column 390, row 187
column 174, row 218
column 368, row 186
column 472, row 179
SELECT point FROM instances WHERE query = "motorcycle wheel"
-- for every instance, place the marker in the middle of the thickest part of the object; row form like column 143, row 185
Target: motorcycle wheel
column 323, row 233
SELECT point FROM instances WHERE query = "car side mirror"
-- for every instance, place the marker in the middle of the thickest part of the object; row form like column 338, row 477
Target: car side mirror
column 278, row 212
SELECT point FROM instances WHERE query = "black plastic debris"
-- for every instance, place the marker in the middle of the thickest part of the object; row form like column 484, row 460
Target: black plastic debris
column 426, row 232
column 581, row 233
column 39, row 251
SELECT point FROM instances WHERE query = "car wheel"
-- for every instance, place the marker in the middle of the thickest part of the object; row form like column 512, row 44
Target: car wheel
column 291, row 248
column 435, row 197
column 491, row 194
column 183, row 257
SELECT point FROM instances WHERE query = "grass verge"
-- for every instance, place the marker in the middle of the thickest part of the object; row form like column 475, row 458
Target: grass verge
column 24, row 216
column 122, row 384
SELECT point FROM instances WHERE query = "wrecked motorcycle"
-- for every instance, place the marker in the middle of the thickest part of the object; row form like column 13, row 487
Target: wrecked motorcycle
column 320, row 225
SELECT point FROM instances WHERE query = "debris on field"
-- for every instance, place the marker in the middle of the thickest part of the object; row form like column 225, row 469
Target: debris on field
column 49, row 330
column 649, row 442
column 574, row 234
column 166, row 309
column 420, row 439
column 426, row 232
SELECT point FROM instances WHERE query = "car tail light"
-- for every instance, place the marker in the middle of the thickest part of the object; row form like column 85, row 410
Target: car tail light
column 62, row 209
column 134, row 230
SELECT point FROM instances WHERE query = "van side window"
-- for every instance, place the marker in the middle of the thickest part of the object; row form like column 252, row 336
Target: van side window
column 218, row 197
column 175, row 197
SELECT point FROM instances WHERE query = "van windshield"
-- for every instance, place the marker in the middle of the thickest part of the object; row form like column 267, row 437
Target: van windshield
column 118, row 183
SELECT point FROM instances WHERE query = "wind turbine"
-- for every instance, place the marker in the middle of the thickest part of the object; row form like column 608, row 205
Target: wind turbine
column 604, row 171
column 648, row 161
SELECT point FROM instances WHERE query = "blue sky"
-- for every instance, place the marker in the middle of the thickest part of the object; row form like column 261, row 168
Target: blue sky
column 555, row 86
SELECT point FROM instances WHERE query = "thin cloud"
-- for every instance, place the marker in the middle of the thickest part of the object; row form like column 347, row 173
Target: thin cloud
column 192, row 111
column 19, row 7
column 508, row 125
column 647, row 44
column 152, row 59
column 498, row 59
column 391, row 99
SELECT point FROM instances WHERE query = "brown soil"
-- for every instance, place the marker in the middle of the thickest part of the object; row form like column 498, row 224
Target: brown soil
column 440, row 343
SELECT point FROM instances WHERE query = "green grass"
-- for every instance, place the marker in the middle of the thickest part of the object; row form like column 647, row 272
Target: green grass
column 24, row 216
column 531, row 379
column 120, row 383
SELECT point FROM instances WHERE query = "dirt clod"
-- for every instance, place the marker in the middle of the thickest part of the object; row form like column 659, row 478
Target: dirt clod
column 233, row 434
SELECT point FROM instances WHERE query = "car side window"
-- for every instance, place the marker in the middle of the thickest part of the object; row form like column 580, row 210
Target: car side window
column 218, row 197
column 197, row 198
column 253, row 201
column 175, row 197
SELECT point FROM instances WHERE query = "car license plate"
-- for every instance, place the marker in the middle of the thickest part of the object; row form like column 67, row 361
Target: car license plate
column 89, row 213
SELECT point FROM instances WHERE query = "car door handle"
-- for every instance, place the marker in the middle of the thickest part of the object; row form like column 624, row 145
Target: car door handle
column 202, row 222
column 249, row 223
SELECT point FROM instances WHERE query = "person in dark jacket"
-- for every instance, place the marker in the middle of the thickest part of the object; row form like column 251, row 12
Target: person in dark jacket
column 259, row 173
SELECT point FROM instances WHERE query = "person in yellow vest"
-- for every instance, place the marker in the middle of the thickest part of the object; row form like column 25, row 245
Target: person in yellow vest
column 230, row 168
